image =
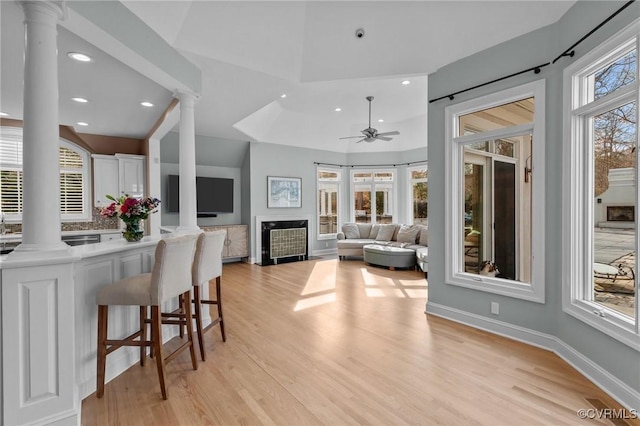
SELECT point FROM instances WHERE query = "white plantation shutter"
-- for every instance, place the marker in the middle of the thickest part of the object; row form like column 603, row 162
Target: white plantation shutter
column 71, row 179
column 74, row 177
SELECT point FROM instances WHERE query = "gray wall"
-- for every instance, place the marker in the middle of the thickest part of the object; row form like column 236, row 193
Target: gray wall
column 527, row 51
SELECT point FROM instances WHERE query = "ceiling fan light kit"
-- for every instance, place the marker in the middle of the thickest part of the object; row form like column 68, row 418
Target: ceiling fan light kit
column 371, row 134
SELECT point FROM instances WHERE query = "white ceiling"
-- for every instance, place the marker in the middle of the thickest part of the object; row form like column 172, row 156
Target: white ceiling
column 250, row 53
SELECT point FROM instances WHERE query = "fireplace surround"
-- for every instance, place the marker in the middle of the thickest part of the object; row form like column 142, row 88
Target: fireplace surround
column 283, row 241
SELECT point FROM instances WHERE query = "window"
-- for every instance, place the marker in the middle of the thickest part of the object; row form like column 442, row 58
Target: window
column 420, row 194
column 601, row 201
column 372, row 197
column 495, row 178
column 74, row 172
column 328, row 202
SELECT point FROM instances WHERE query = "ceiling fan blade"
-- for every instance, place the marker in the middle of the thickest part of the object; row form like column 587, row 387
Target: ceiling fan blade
column 351, row 137
column 395, row 132
column 360, row 140
column 384, row 138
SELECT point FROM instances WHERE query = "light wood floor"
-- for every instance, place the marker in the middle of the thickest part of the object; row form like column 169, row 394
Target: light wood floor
column 333, row 343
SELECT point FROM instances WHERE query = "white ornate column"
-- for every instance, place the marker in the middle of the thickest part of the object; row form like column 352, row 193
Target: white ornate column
column 37, row 291
column 188, row 200
column 41, row 191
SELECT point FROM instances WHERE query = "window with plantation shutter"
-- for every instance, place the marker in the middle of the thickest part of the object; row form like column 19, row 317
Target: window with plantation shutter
column 74, row 178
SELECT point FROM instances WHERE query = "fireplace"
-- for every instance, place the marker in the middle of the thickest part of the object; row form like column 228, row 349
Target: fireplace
column 284, row 241
column 621, row 213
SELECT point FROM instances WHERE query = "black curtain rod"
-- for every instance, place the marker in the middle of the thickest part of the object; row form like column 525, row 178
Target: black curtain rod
column 568, row 52
column 535, row 69
column 369, row 165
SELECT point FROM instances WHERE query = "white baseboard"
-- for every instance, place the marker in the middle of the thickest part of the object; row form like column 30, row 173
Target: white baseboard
column 325, row 252
column 621, row 392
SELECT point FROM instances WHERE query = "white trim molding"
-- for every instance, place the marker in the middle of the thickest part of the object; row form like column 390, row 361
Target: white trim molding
column 533, row 289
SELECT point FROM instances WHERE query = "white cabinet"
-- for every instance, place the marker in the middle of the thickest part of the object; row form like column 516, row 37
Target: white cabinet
column 237, row 242
column 131, row 177
column 117, row 175
column 105, row 179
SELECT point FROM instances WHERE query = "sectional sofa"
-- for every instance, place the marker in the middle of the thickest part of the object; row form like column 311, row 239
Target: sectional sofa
column 355, row 236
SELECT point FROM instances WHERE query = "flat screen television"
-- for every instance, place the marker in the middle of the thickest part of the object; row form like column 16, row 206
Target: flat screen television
column 214, row 195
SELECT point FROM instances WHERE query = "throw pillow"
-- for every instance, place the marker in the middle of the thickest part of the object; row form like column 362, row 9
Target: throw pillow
column 423, row 236
column 386, row 232
column 364, row 229
column 408, row 234
column 351, row 230
column 374, row 231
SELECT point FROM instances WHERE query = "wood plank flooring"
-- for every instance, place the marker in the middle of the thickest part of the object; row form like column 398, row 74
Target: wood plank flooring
column 324, row 342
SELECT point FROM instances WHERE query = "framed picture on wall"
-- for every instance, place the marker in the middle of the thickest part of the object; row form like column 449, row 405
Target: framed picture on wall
column 284, row 192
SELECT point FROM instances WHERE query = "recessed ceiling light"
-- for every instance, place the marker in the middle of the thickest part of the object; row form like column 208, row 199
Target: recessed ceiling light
column 338, row 109
column 380, row 120
column 405, row 82
column 79, row 56
column 81, row 100
column 82, row 123
column 284, row 95
column 3, row 114
column 146, row 104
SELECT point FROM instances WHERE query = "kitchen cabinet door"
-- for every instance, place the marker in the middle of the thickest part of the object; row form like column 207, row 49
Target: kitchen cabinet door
column 105, row 179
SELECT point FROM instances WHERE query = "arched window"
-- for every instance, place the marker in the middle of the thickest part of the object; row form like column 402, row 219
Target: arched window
column 74, row 178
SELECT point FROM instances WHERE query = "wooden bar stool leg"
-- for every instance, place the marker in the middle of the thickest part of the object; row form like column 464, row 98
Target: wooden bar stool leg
column 186, row 302
column 219, row 303
column 143, row 335
column 103, row 317
column 198, row 314
column 156, row 337
column 181, row 308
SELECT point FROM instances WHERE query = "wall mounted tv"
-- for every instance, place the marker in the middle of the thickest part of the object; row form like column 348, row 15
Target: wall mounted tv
column 214, row 195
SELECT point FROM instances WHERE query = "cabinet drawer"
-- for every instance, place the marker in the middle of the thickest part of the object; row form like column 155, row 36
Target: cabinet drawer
column 110, row 236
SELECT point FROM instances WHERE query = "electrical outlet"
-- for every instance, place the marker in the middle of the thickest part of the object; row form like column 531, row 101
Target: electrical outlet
column 495, row 308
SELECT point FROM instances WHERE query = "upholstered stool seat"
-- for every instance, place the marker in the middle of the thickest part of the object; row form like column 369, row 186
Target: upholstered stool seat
column 170, row 278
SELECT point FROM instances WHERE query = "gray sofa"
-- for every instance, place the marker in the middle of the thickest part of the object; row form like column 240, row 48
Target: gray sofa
column 355, row 236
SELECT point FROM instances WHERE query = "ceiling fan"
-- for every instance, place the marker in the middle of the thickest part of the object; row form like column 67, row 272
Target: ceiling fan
column 371, row 134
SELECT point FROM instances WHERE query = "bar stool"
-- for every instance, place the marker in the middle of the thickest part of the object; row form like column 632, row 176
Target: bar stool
column 170, row 277
column 207, row 265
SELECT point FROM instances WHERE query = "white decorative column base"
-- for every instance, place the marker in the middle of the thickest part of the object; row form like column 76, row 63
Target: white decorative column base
column 38, row 349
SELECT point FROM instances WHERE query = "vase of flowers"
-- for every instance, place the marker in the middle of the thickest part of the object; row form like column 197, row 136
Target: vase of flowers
column 131, row 211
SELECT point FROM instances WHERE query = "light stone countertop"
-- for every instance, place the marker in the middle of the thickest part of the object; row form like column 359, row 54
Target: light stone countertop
column 17, row 237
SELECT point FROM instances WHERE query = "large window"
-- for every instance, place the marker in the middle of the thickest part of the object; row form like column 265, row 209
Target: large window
column 328, row 202
column 601, row 187
column 495, row 178
column 420, row 194
column 74, row 181
column 373, row 196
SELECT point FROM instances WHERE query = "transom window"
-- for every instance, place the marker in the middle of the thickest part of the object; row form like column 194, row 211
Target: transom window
column 601, row 157
column 74, row 181
column 373, row 196
column 495, row 176
column 328, row 202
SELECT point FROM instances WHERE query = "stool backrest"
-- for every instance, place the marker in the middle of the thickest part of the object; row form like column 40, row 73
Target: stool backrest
column 207, row 262
column 171, row 274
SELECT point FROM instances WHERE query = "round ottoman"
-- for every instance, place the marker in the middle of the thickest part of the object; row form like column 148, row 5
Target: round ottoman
column 393, row 257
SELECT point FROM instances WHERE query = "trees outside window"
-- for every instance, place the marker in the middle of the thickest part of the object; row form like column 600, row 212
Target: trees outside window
column 601, row 232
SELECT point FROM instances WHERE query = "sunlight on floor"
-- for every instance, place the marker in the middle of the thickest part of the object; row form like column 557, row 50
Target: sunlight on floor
column 320, row 287
column 377, row 286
